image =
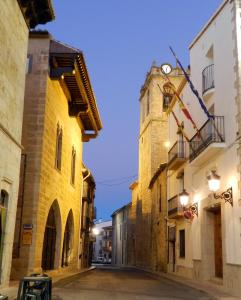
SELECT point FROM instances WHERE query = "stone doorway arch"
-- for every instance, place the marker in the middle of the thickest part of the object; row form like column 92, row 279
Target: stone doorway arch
column 68, row 240
column 51, row 238
column 3, row 215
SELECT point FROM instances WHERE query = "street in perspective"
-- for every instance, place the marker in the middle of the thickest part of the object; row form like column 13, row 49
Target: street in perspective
column 113, row 283
column 120, row 149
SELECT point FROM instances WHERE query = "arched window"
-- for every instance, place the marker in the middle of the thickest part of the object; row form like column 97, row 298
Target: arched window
column 58, row 155
column 73, row 160
column 148, row 103
column 168, row 92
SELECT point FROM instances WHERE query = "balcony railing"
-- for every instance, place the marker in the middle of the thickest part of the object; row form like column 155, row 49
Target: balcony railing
column 211, row 132
column 177, row 155
column 174, row 207
column 208, row 78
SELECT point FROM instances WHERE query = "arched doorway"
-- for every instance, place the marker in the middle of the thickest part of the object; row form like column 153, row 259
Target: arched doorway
column 48, row 254
column 67, row 243
column 3, row 214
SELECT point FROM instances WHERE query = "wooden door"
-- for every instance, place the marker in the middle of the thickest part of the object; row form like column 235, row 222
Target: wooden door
column 218, row 243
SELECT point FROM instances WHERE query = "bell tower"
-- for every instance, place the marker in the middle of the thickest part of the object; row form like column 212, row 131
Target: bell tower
column 155, row 96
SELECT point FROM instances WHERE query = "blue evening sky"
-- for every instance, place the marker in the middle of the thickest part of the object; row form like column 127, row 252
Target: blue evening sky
column 120, row 40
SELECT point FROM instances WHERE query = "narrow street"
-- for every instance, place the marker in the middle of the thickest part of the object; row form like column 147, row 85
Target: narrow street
column 106, row 283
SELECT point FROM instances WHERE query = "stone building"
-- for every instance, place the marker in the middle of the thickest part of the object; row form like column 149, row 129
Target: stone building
column 16, row 17
column 159, row 235
column 120, row 229
column 60, row 113
column 145, row 214
column 87, row 218
column 102, row 246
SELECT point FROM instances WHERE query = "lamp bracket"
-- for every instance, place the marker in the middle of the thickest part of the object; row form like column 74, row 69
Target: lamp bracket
column 226, row 195
column 193, row 209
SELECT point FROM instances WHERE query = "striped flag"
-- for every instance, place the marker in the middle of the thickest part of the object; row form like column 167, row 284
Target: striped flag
column 195, row 92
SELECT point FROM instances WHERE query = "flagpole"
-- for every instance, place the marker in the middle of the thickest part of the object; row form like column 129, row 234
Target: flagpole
column 195, row 92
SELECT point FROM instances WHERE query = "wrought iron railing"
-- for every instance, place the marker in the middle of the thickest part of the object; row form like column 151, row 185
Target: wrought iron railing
column 211, row 132
column 178, row 150
column 208, row 78
column 173, row 205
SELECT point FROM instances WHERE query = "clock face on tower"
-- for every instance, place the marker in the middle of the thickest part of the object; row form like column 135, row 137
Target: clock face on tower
column 166, row 69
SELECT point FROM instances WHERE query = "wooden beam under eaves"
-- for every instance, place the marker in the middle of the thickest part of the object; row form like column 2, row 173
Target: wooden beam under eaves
column 76, row 108
column 56, row 73
column 87, row 137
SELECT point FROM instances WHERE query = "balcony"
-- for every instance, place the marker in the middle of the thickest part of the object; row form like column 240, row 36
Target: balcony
column 177, row 155
column 208, row 81
column 209, row 141
column 174, row 208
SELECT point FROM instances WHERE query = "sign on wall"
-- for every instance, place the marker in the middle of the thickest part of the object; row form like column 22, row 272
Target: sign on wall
column 27, row 234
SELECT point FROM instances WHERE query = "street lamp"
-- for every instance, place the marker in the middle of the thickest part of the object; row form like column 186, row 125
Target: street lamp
column 214, row 185
column 184, row 197
column 188, row 211
column 95, row 231
column 213, row 181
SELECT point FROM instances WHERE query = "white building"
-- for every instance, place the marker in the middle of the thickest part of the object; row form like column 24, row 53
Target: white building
column 120, row 220
column 102, row 247
column 207, row 246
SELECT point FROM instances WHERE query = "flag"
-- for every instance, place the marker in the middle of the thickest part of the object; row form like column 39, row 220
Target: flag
column 180, row 127
column 182, row 106
column 195, row 92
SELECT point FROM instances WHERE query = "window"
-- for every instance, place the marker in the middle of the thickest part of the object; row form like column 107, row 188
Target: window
column 73, row 159
column 58, row 155
column 181, row 181
column 160, row 198
column 168, row 92
column 148, row 103
column 29, row 63
column 182, row 243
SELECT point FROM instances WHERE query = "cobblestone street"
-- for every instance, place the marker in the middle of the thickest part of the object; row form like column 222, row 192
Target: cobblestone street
column 108, row 283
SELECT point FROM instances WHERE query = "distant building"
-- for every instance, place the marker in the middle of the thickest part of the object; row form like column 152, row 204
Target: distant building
column 102, row 247
column 120, row 222
column 17, row 17
column 60, row 114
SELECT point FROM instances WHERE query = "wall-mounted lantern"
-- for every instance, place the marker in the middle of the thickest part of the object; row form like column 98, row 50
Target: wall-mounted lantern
column 214, row 185
column 188, row 211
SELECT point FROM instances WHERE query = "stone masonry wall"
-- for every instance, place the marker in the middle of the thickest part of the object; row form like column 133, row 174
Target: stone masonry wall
column 13, row 53
column 45, row 107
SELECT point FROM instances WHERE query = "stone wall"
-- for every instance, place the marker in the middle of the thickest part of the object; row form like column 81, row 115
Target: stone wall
column 13, row 53
column 45, row 107
column 152, row 152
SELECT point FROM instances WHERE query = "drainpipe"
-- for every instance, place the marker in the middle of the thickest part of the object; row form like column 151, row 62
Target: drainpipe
column 79, row 248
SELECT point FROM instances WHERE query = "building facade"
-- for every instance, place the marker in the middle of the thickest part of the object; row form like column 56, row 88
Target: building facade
column 147, row 217
column 16, row 19
column 102, row 246
column 60, row 113
column 120, row 224
column 206, row 244
column 87, row 218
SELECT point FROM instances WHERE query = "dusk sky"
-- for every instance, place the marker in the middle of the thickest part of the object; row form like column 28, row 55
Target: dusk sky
column 120, row 40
